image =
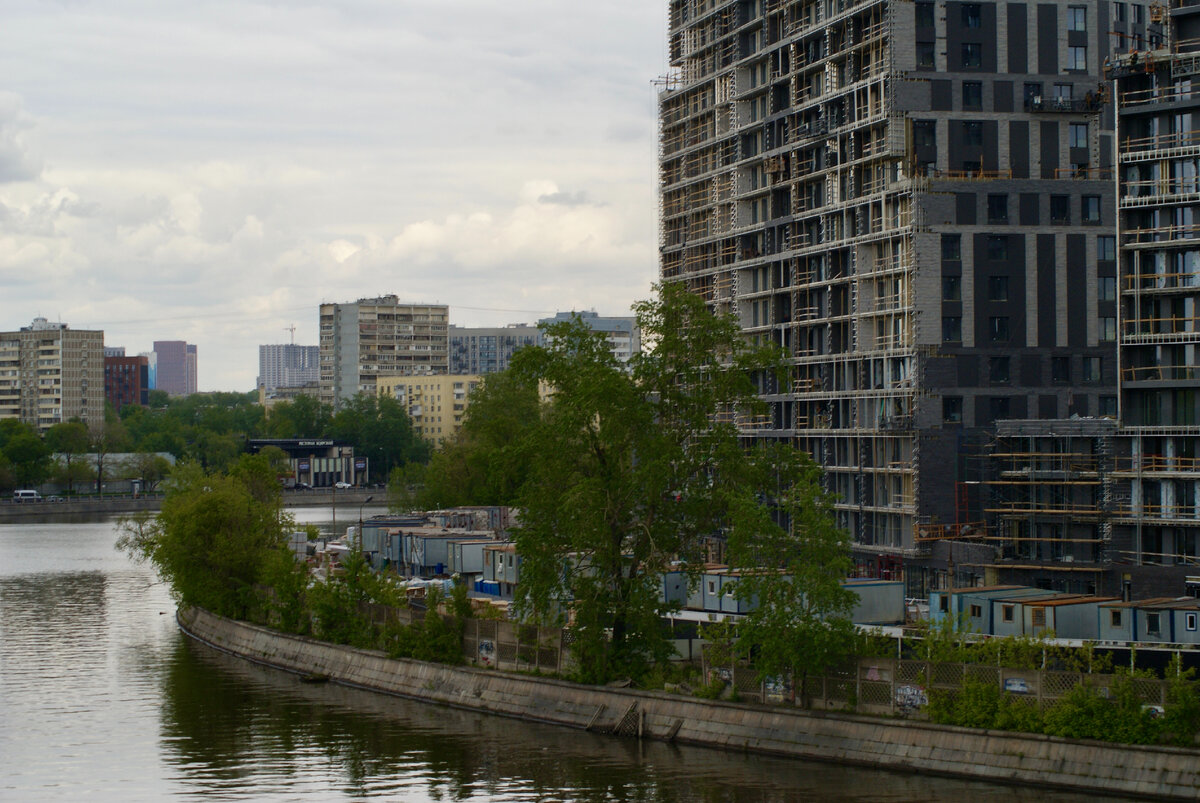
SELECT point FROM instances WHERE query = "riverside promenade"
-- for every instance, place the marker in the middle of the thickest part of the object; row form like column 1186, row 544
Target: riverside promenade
column 82, row 508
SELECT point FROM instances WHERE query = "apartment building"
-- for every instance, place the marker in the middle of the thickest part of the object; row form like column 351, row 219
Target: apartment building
column 50, row 373
column 1156, row 507
column 488, row 350
column 435, row 404
column 623, row 335
column 375, row 337
column 126, row 379
column 915, row 200
column 287, row 365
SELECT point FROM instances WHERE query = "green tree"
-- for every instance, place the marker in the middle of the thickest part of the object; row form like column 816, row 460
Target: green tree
column 151, row 468
column 628, row 463
column 302, row 417
column 29, row 458
column 486, row 462
column 217, row 538
column 380, row 430
column 793, row 560
column 70, row 440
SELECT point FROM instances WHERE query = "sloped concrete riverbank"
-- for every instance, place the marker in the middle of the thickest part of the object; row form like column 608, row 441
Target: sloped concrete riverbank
column 1136, row 771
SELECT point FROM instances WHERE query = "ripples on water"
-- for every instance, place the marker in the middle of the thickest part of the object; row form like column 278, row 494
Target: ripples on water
column 102, row 698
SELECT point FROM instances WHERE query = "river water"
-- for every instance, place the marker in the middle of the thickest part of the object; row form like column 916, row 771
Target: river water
column 102, row 698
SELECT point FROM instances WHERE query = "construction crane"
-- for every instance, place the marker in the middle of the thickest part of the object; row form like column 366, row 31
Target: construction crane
column 291, row 329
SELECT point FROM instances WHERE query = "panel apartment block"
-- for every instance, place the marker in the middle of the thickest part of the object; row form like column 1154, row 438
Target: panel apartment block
column 50, row 373
column 488, row 350
column 915, row 200
column 287, row 365
column 375, row 337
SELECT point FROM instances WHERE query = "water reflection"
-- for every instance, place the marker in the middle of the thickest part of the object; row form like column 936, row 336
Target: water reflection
column 231, row 724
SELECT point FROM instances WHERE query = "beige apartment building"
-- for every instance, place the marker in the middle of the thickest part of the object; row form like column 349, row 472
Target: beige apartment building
column 50, row 373
column 435, row 403
column 377, row 337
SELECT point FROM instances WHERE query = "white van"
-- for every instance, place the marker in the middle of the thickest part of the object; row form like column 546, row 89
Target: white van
column 26, row 496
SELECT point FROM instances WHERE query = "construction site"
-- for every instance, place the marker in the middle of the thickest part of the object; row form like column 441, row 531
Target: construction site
column 915, row 200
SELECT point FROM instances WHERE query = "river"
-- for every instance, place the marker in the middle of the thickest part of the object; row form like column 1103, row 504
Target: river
column 102, row 698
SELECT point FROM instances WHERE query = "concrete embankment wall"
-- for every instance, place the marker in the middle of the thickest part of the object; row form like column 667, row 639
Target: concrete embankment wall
column 1142, row 772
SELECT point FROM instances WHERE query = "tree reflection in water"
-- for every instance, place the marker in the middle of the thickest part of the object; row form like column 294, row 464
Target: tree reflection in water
column 232, row 726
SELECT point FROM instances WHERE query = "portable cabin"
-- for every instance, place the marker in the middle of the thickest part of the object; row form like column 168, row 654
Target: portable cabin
column 1071, row 616
column 675, row 589
column 880, row 602
column 1169, row 620
column 972, row 604
column 502, row 567
column 466, row 557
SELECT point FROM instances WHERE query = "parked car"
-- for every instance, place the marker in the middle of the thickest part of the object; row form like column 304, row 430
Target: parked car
column 341, row 486
column 26, row 496
column 302, row 486
column 56, row 499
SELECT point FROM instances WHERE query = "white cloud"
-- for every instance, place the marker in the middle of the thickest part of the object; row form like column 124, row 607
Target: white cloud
column 214, row 171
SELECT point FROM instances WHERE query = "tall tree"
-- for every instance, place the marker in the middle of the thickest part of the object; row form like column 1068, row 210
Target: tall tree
column 628, row 469
column 488, row 459
column 107, row 437
column 793, row 560
column 380, row 430
column 29, row 457
column 70, row 440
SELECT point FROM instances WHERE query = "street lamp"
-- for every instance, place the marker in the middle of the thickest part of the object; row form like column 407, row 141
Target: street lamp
column 360, row 520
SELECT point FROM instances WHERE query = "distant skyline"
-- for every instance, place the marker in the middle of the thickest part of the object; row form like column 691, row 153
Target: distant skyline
column 212, row 172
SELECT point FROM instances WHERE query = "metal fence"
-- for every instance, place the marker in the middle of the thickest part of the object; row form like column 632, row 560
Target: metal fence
column 492, row 643
column 891, row 686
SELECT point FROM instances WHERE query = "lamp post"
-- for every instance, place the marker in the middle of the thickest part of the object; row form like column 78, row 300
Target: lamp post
column 360, row 520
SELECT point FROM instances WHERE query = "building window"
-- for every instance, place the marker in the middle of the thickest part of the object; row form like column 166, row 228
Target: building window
column 951, row 288
column 925, row 133
column 1091, row 369
column 1107, row 289
column 951, row 330
column 1079, row 135
column 972, row 96
column 1153, row 620
column 1060, row 209
column 998, row 370
column 1189, row 620
column 997, row 247
column 1077, row 57
column 998, row 328
column 1006, row 612
column 1108, row 406
column 952, row 407
column 999, row 407
column 1106, row 248
column 1033, row 95
column 972, row 134
column 997, row 208
column 924, row 15
column 952, row 247
column 1138, row 14
column 1119, row 12
column 1076, row 18
column 1108, row 329
column 971, row 16
column 1114, row 619
column 972, row 55
column 997, row 288
column 1060, row 369
column 1091, row 208
column 925, row 56
column 977, row 611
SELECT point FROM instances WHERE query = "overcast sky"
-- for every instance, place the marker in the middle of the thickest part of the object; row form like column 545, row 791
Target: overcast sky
column 212, row 170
